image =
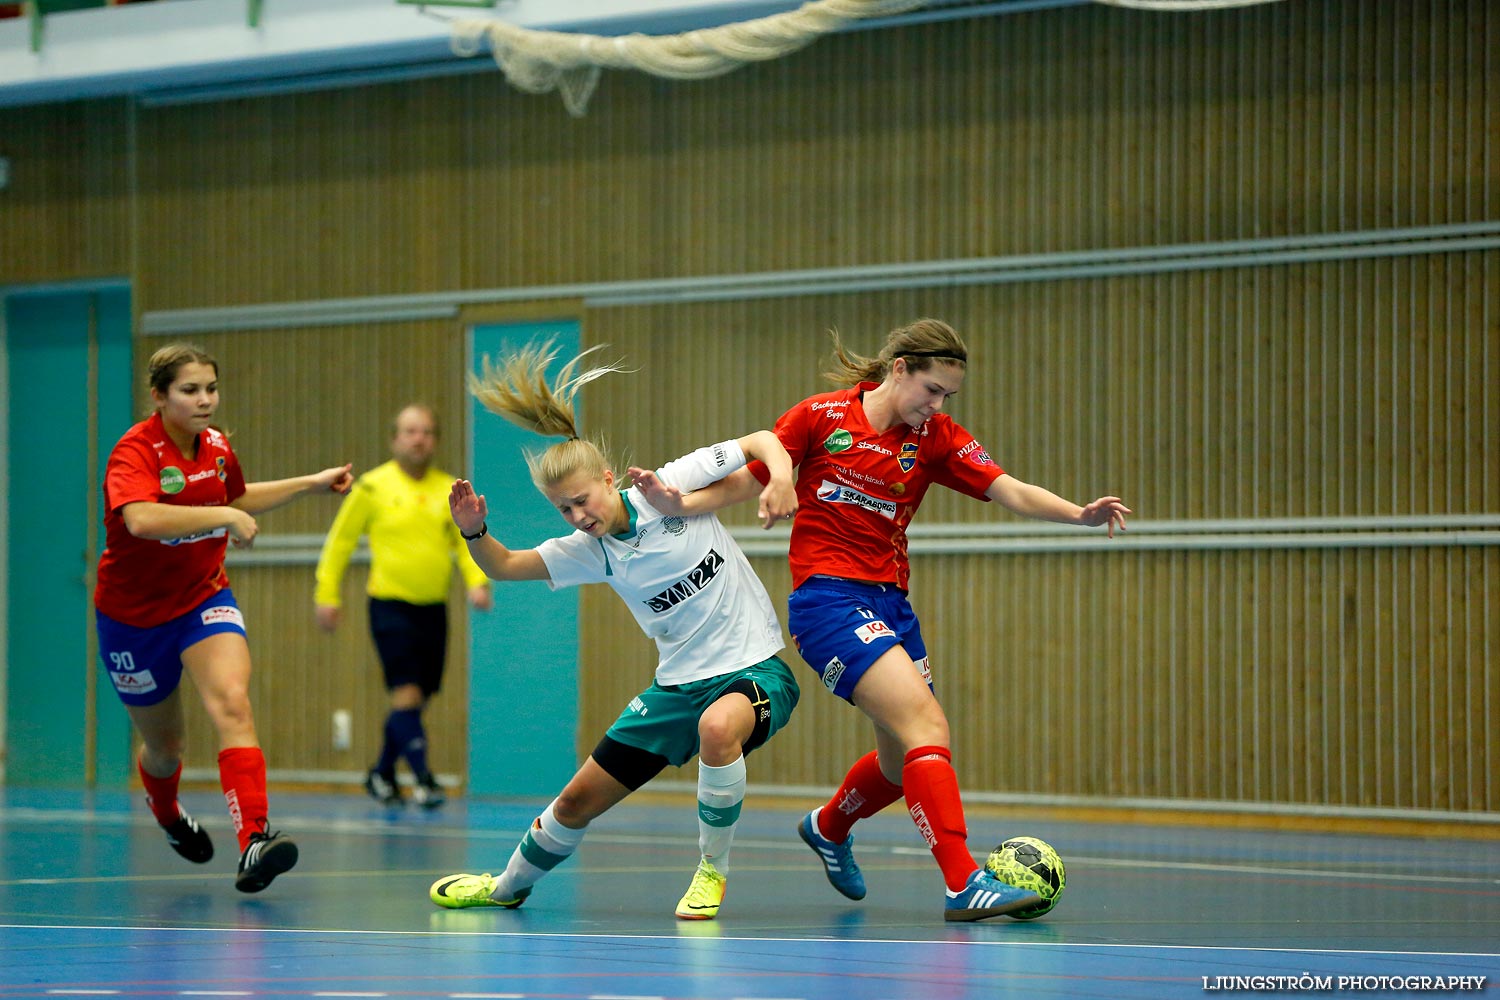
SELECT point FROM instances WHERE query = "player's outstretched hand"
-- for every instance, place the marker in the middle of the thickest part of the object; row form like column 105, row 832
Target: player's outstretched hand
column 339, row 479
column 467, row 507
column 1106, row 510
column 665, row 498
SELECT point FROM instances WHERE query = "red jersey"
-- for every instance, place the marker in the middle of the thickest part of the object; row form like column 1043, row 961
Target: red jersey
column 857, row 490
column 144, row 582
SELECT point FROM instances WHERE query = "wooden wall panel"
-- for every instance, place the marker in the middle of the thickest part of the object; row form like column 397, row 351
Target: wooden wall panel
column 296, row 401
column 65, row 214
column 1050, row 130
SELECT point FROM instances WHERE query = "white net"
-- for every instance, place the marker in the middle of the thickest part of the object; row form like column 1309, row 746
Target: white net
column 542, row 61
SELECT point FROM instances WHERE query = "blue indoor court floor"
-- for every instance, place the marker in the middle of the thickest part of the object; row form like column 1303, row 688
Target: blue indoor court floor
column 94, row 903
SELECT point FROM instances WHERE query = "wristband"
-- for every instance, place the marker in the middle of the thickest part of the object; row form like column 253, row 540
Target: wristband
column 484, row 529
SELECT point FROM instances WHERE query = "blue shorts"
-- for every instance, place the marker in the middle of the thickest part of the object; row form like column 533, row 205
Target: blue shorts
column 841, row 627
column 145, row 664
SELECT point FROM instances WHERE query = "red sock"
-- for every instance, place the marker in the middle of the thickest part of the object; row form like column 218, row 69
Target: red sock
column 932, row 799
column 864, row 793
column 242, row 774
column 161, row 793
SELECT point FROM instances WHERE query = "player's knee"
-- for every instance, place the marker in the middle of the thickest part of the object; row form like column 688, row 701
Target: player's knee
column 927, row 726
column 230, row 710
column 722, row 733
column 572, row 809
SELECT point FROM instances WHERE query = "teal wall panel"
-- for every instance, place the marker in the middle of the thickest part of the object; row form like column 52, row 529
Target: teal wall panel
column 54, row 684
column 523, row 692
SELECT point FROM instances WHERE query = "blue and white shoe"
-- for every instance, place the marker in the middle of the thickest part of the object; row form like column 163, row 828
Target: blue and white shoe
column 986, row 896
column 838, row 859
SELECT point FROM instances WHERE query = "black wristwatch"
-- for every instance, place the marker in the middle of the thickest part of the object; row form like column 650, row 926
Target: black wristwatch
column 484, row 529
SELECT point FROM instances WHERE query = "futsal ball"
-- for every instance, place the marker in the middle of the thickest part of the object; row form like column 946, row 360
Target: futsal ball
column 1029, row 863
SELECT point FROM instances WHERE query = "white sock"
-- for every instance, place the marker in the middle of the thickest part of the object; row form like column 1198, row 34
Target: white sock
column 546, row 845
column 721, row 790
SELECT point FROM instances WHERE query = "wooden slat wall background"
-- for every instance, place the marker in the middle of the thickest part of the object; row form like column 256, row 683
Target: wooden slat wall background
column 295, row 401
column 1357, row 677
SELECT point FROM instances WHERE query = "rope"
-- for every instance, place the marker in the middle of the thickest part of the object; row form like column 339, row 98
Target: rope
column 541, row 61
column 1183, row 5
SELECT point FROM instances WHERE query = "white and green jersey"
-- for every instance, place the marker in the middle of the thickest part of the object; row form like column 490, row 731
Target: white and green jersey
column 685, row 580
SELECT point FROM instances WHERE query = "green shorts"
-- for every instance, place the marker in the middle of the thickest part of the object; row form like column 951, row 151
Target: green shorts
column 664, row 720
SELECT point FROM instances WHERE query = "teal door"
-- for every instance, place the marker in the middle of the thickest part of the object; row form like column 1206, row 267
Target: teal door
column 523, row 655
column 69, row 401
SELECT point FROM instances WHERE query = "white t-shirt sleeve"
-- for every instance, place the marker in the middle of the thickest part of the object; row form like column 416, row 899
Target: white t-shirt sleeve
column 706, row 465
column 572, row 560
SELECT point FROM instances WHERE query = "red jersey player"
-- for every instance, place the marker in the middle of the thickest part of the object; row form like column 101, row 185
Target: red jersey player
column 865, row 458
column 174, row 499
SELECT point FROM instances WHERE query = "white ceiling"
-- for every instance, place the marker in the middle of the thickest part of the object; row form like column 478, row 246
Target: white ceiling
column 174, row 51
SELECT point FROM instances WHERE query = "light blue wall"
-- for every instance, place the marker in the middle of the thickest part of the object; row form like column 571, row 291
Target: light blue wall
column 53, row 680
column 523, row 697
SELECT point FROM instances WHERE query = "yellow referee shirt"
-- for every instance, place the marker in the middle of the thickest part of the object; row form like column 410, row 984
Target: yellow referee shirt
column 414, row 543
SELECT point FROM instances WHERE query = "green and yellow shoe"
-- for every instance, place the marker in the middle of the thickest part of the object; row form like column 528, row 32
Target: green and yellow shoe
column 704, row 896
column 457, row 892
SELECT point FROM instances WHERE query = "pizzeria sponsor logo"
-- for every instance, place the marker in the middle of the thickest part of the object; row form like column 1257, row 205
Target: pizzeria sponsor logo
column 975, row 453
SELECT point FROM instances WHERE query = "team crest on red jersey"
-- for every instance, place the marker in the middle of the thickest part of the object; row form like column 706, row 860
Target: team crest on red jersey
column 907, row 457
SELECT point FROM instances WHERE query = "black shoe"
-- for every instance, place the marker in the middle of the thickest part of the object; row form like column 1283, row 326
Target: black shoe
column 428, row 793
column 383, row 789
column 267, row 855
column 188, row 839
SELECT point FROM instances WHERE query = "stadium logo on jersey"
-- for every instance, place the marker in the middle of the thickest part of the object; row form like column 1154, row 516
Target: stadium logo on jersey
column 673, row 525
column 172, row 480
column 700, row 576
column 872, row 446
column 839, row 440
column 870, row 631
column 139, row 682
column 975, row 453
column 908, row 456
column 834, row 493
column 221, row 615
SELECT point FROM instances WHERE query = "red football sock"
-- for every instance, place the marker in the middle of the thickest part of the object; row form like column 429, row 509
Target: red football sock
column 932, row 799
column 242, row 774
column 864, row 793
column 161, row 793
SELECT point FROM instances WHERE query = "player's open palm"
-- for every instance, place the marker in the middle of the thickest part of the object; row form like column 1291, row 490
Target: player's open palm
column 467, row 507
